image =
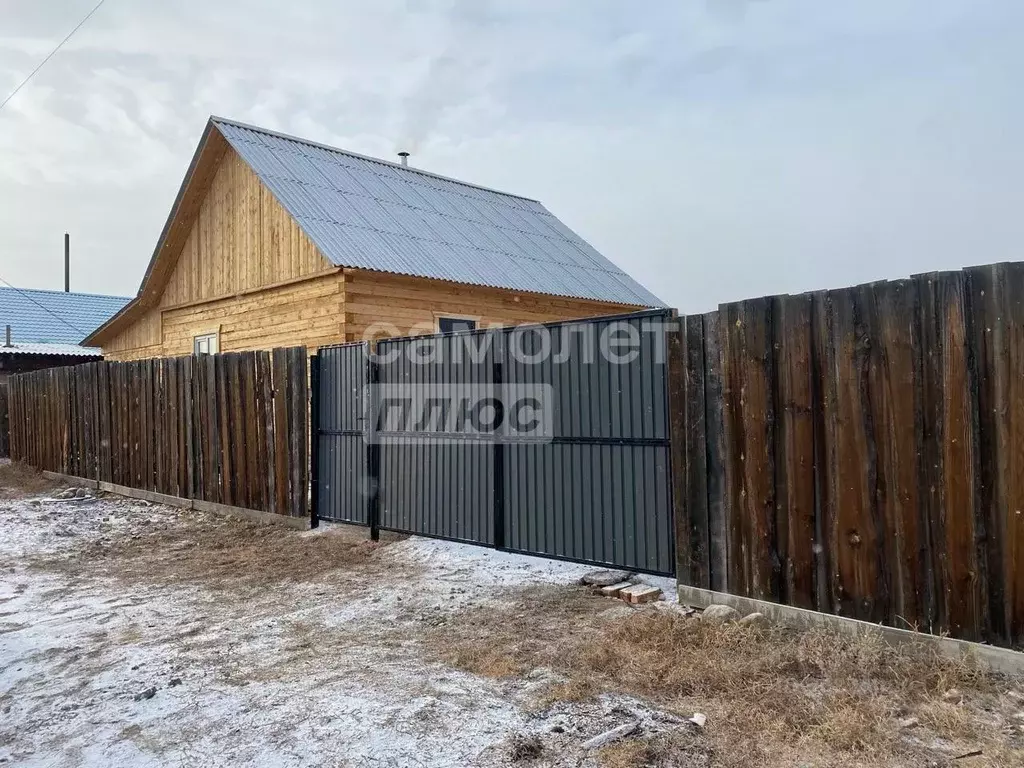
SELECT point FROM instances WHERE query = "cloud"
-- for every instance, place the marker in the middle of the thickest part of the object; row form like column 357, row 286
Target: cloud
column 715, row 150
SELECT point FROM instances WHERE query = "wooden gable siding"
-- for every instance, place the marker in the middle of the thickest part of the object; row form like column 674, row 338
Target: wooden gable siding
column 239, row 240
column 376, row 300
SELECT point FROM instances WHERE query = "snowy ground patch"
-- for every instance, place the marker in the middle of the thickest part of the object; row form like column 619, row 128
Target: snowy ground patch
column 116, row 649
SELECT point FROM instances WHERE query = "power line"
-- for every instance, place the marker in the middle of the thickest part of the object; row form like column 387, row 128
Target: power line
column 50, row 55
column 45, row 308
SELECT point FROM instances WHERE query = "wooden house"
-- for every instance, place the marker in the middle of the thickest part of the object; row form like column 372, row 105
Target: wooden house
column 276, row 241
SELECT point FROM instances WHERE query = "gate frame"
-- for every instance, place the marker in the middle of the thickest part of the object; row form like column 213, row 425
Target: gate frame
column 674, row 441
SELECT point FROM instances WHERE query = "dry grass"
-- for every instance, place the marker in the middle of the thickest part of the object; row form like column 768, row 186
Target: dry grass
column 574, row 689
column 523, row 747
column 669, row 750
column 18, row 480
column 813, row 697
column 194, row 548
column 525, row 631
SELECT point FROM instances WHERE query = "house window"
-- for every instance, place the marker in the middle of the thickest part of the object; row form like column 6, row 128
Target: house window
column 455, row 324
column 205, row 344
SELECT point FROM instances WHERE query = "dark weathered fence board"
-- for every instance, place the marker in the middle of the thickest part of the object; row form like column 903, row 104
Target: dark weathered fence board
column 298, row 412
column 794, row 448
column 993, row 316
column 4, row 420
column 966, row 606
column 222, row 374
column 686, row 414
column 696, row 446
column 201, row 428
column 854, row 533
column 748, row 413
column 895, row 382
column 675, row 347
column 281, row 444
column 714, row 440
column 1010, row 412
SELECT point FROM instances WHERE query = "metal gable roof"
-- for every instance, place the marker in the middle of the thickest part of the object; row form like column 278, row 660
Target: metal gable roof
column 371, row 214
column 54, row 317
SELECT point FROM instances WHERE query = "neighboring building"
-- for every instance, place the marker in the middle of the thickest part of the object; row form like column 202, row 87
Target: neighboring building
column 276, row 241
column 45, row 327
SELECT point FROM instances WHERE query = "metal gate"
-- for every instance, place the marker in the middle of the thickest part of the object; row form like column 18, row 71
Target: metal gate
column 340, row 480
column 436, row 444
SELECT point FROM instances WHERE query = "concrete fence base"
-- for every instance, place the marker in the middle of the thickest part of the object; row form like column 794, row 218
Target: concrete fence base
column 243, row 513
column 1000, row 660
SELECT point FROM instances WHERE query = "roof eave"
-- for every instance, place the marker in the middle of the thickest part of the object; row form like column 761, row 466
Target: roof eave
column 92, row 340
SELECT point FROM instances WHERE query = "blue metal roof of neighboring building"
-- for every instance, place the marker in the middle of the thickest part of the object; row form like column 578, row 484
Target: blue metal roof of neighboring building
column 54, row 350
column 371, row 214
column 54, row 317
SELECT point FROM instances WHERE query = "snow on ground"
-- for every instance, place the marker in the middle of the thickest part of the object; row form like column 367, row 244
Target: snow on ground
column 490, row 568
column 100, row 669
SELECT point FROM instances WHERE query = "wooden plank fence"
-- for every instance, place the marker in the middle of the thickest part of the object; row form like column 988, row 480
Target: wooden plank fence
column 4, row 432
column 861, row 452
column 230, row 429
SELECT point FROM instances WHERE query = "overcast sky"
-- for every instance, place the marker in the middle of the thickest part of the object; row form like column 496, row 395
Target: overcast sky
column 714, row 149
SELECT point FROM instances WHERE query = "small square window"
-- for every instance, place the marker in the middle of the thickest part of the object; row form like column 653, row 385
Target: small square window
column 205, row 344
column 455, row 324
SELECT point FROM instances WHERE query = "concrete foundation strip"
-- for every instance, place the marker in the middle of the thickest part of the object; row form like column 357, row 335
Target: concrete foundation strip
column 252, row 515
column 1000, row 660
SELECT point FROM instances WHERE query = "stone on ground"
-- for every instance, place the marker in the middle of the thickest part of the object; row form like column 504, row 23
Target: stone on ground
column 754, row 620
column 604, row 578
column 720, row 614
column 608, row 737
column 149, row 693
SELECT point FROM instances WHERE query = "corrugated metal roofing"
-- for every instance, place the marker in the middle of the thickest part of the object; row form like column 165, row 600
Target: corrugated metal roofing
column 54, row 316
column 371, row 214
column 69, row 350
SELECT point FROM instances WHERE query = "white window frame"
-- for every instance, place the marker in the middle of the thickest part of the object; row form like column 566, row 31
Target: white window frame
column 211, row 340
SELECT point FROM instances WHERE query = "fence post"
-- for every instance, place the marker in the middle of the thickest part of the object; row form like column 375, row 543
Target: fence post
column 498, row 377
column 314, row 441
column 372, row 446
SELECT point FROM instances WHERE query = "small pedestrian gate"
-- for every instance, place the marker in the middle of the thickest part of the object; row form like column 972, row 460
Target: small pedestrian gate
column 549, row 440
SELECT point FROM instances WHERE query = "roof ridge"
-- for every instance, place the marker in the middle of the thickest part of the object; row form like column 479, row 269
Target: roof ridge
column 289, row 137
column 64, row 293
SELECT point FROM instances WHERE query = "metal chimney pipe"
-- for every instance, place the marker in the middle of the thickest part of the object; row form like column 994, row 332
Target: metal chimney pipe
column 404, row 159
column 8, row 343
column 67, row 263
